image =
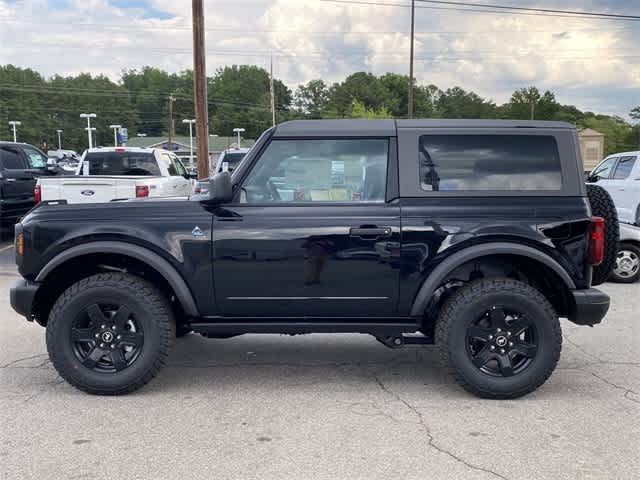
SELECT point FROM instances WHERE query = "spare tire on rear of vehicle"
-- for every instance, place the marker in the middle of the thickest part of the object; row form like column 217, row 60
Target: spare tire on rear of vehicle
column 602, row 206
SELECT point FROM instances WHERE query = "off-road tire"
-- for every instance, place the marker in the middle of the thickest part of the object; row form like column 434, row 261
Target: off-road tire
column 459, row 312
column 148, row 305
column 602, row 206
column 630, row 279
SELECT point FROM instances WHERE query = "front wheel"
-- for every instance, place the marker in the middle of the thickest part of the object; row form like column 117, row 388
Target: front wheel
column 501, row 338
column 109, row 334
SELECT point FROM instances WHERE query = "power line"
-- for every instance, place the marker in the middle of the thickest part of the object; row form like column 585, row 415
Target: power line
column 471, row 8
column 616, row 16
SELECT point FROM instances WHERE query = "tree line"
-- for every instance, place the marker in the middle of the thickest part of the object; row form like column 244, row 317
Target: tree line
column 239, row 96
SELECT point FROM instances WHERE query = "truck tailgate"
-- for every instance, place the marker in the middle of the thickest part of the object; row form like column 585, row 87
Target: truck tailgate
column 87, row 189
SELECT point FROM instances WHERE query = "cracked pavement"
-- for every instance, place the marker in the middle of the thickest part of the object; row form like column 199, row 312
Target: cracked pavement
column 324, row 407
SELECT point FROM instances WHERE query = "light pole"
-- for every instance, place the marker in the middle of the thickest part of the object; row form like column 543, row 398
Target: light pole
column 115, row 133
column 89, row 116
column 191, row 122
column 238, row 131
column 59, row 132
column 141, row 135
column 14, row 124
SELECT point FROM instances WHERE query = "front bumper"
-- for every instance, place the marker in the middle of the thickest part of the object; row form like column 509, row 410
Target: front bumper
column 22, row 295
column 590, row 306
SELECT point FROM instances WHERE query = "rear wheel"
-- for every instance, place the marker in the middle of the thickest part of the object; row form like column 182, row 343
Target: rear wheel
column 627, row 268
column 501, row 338
column 109, row 334
column 602, row 206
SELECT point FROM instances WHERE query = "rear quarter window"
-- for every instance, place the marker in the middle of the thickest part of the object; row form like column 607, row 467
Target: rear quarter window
column 123, row 164
column 475, row 163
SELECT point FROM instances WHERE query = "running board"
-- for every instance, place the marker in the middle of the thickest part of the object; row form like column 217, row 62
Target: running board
column 386, row 329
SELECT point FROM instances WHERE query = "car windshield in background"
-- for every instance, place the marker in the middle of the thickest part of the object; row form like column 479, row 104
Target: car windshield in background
column 233, row 159
column 123, row 163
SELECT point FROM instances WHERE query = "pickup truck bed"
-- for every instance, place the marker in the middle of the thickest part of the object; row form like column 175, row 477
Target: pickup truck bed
column 93, row 189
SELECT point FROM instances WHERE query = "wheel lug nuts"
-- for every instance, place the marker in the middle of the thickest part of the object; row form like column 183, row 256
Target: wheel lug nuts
column 97, row 335
column 119, row 337
column 113, row 328
column 113, row 346
column 511, row 344
column 103, row 326
column 492, row 348
column 490, row 337
column 499, row 330
column 508, row 334
column 502, row 350
column 102, row 345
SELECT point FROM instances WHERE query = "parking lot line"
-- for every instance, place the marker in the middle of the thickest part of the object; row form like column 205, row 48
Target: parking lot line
column 4, row 249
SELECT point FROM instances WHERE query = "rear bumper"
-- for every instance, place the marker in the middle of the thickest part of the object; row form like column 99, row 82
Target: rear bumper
column 22, row 295
column 591, row 306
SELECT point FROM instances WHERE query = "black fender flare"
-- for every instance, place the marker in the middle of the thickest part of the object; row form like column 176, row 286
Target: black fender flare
column 152, row 259
column 461, row 257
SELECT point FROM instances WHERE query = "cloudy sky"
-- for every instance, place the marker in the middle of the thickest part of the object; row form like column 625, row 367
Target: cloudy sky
column 593, row 64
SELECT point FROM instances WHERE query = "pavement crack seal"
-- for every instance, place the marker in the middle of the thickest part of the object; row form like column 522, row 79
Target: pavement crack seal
column 13, row 363
column 431, row 440
column 627, row 391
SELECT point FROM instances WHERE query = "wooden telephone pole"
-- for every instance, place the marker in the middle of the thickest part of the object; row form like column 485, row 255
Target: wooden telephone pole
column 200, row 89
column 413, row 13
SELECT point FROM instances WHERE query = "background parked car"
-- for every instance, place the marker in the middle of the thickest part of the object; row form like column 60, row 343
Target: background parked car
column 619, row 174
column 627, row 268
column 232, row 157
column 21, row 165
column 106, row 174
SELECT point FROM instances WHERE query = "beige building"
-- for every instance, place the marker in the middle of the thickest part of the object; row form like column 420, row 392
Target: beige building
column 591, row 147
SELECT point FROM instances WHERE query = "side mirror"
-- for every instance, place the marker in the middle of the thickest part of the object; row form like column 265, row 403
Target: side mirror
column 191, row 175
column 220, row 188
column 593, row 178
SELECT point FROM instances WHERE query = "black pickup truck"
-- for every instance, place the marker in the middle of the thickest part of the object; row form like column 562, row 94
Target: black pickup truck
column 473, row 235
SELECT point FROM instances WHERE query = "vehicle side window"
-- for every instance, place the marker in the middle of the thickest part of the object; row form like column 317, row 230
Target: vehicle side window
column 166, row 160
column 331, row 170
column 10, row 159
column 624, row 168
column 179, row 168
column 603, row 171
column 489, row 163
column 36, row 159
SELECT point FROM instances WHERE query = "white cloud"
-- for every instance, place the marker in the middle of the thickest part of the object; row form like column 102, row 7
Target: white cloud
column 587, row 63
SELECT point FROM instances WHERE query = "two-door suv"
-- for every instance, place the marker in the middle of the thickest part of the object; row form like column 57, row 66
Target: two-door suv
column 473, row 235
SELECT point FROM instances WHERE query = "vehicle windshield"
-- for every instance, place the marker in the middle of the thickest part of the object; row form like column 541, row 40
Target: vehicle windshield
column 122, row 163
column 233, row 159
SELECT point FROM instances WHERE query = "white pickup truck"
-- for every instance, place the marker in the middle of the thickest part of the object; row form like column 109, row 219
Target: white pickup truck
column 119, row 173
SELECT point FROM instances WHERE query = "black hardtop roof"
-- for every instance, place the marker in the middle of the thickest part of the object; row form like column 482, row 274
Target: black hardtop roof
column 386, row 128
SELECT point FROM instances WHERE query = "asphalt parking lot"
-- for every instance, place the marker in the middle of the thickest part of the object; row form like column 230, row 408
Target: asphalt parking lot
column 323, row 407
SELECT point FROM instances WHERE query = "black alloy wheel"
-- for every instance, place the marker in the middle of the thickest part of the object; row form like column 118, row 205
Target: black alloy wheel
column 107, row 338
column 502, row 342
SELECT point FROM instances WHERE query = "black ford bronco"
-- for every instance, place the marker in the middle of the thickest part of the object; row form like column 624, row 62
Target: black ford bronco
column 476, row 236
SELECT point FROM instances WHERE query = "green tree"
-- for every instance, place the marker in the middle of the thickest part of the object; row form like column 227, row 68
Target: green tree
column 358, row 110
column 311, row 99
column 635, row 113
column 528, row 103
column 457, row 103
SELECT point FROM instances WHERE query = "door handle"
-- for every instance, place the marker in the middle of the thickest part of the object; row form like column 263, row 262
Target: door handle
column 370, row 233
column 10, row 180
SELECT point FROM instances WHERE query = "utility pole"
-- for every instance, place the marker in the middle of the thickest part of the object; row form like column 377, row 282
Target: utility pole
column 59, row 132
column 200, row 88
column 115, row 133
column 89, row 116
column 273, row 96
column 170, row 143
column 14, row 124
column 190, row 121
column 413, row 21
